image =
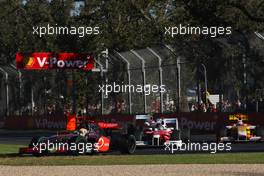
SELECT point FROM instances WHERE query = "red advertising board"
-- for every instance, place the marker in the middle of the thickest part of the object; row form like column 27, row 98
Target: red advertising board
column 35, row 122
column 45, row 61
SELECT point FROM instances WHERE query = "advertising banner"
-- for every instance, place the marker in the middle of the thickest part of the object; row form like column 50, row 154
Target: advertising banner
column 208, row 123
column 46, row 61
column 35, row 122
column 198, row 123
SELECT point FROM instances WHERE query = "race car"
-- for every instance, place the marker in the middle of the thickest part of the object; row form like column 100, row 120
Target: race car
column 240, row 131
column 160, row 131
column 93, row 138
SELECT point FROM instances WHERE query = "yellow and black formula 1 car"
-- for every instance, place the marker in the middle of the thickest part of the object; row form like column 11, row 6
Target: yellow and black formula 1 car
column 240, row 131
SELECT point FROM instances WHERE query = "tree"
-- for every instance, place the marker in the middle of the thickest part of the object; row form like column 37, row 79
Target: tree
column 132, row 24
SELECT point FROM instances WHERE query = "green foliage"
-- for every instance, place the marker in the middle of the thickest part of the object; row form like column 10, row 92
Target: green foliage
column 132, row 24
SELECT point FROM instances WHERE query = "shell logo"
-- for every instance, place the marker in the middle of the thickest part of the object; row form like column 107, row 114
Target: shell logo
column 29, row 62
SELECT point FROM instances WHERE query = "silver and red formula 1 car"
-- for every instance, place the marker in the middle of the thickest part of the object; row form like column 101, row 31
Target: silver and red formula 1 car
column 94, row 138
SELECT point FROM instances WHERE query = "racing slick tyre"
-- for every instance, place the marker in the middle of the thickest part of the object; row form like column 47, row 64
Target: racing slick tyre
column 35, row 142
column 128, row 144
column 77, row 140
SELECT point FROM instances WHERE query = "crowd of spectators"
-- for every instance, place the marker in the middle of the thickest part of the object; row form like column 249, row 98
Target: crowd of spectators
column 50, row 109
column 249, row 105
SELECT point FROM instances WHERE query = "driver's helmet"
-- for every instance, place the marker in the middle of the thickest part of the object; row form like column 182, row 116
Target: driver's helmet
column 163, row 125
column 83, row 132
column 147, row 123
column 240, row 122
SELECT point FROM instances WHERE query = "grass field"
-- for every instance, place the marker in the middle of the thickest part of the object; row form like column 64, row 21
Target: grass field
column 7, row 148
column 219, row 158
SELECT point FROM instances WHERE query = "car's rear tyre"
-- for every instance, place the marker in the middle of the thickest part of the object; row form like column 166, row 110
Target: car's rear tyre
column 77, row 141
column 128, row 144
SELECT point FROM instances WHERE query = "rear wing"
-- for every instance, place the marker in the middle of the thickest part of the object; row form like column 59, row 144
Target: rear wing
column 236, row 117
column 74, row 122
column 71, row 124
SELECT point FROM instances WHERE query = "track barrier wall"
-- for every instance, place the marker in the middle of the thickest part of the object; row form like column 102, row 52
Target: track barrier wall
column 198, row 123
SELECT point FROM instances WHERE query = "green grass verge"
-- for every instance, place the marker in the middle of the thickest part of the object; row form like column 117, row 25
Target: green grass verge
column 9, row 148
column 219, row 158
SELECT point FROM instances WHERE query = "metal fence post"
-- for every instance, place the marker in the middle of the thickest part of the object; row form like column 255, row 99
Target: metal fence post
column 205, row 82
column 102, row 82
column 7, row 90
column 20, row 87
column 129, row 80
column 160, row 77
column 144, row 78
column 178, row 68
